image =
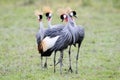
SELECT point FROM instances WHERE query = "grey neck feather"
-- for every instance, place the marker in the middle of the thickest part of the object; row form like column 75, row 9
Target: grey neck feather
column 41, row 24
column 49, row 23
column 71, row 28
column 74, row 24
column 41, row 30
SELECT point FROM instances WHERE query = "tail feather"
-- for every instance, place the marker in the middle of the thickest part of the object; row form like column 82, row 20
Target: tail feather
column 40, row 48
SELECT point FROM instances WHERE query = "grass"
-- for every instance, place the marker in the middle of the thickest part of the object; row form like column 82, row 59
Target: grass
column 99, row 56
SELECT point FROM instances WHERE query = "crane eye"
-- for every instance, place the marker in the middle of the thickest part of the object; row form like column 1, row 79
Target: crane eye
column 63, row 16
column 40, row 16
column 74, row 13
column 47, row 14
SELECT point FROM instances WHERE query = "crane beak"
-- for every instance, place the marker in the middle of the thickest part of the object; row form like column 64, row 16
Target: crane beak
column 75, row 16
column 62, row 20
column 39, row 20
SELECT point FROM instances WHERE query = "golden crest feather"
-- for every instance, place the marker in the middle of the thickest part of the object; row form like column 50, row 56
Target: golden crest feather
column 61, row 11
column 47, row 9
column 68, row 9
column 37, row 13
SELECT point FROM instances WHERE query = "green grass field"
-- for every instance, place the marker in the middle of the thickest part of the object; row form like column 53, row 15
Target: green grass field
column 100, row 51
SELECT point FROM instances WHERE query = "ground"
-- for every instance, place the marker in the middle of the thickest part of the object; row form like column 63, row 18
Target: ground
column 99, row 54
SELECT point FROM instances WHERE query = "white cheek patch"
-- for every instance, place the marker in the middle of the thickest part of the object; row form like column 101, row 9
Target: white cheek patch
column 38, row 17
column 50, row 14
column 64, row 16
column 71, row 13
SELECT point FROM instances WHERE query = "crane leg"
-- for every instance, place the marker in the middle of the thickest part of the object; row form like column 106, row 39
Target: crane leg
column 70, row 67
column 54, row 62
column 61, row 56
column 45, row 65
column 77, row 58
column 59, row 60
column 41, row 61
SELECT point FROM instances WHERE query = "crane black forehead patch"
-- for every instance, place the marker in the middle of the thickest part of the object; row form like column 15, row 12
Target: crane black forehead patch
column 40, row 16
column 47, row 14
column 74, row 12
column 61, row 17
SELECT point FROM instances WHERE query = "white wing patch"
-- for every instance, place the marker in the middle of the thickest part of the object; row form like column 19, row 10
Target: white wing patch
column 49, row 42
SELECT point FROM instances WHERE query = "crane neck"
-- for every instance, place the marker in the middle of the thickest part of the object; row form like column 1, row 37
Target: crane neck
column 41, row 29
column 71, row 25
column 49, row 24
column 74, row 24
column 41, row 24
column 68, row 23
column 71, row 21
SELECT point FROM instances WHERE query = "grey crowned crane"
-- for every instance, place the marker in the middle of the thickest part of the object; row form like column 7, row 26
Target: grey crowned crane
column 66, row 38
column 57, row 43
column 57, row 28
column 48, row 13
column 40, row 34
column 79, row 34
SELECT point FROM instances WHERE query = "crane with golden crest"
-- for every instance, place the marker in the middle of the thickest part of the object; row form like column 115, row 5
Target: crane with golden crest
column 59, row 37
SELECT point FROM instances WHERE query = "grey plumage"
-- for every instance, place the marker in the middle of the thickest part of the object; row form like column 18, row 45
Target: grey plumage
column 77, row 38
column 52, row 32
column 78, row 32
column 39, row 38
column 44, row 32
column 69, row 34
column 40, row 33
column 65, row 39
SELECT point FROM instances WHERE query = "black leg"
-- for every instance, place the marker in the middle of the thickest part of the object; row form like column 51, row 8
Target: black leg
column 70, row 67
column 59, row 60
column 54, row 61
column 77, row 58
column 41, row 61
column 61, row 56
column 45, row 65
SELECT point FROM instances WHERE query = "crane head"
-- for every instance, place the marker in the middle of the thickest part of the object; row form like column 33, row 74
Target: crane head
column 40, row 17
column 73, row 13
column 64, row 17
column 39, row 14
column 48, row 12
column 48, row 15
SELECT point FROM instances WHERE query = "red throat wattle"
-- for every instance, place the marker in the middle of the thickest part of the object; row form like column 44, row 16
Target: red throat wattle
column 49, row 19
column 39, row 20
column 66, row 19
